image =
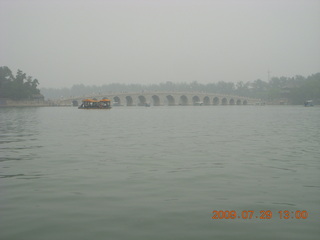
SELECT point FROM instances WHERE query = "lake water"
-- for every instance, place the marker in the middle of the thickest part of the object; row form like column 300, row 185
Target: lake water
column 159, row 172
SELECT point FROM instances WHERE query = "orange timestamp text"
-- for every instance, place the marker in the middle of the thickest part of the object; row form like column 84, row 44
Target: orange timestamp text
column 262, row 214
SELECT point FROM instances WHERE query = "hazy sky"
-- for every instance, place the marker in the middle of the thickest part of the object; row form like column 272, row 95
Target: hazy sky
column 66, row 42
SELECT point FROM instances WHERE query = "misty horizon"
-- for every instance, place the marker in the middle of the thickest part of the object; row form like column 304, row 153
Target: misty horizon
column 63, row 43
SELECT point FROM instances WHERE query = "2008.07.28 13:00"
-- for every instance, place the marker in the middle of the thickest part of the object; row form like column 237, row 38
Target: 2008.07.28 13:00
column 262, row 214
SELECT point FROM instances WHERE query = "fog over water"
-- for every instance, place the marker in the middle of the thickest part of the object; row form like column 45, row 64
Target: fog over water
column 62, row 43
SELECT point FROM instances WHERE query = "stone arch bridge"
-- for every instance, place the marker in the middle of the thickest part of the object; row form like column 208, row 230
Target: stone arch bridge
column 166, row 99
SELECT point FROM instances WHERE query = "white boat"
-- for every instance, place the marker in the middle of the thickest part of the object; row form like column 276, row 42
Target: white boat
column 308, row 103
column 198, row 103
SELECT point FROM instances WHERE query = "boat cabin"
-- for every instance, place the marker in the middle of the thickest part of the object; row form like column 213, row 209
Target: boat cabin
column 95, row 104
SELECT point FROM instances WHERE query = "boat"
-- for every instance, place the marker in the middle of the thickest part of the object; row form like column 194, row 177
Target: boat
column 95, row 104
column 105, row 103
column 308, row 103
column 198, row 103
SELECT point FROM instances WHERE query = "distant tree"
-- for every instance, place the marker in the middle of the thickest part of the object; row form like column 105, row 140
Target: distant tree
column 6, row 77
column 305, row 89
column 18, row 87
column 225, row 87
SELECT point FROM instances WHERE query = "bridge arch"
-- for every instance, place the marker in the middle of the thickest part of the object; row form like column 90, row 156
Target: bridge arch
column 129, row 101
column 156, row 100
column 245, row 102
column 216, row 101
column 238, row 102
column 117, row 100
column 171, row 101
column 195, row 99
column 206, row 100
column 224, row 101
column 183, row 100
column 231, row 101
column 142, row 100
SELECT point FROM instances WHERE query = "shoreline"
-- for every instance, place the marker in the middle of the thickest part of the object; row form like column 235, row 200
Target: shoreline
column 4, row 103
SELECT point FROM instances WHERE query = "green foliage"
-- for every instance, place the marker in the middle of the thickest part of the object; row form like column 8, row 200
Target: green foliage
column 309, row 89
column 19, row 87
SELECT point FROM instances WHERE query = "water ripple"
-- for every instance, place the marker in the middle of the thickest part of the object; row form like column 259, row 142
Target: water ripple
column 284, row 203
column 22, row 176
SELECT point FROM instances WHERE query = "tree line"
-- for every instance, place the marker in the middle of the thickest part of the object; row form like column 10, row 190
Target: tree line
column 18, row 87
column 293, row 90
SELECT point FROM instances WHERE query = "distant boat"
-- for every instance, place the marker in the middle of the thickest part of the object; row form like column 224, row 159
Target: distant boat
column 198, row 103
column 308, row 103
